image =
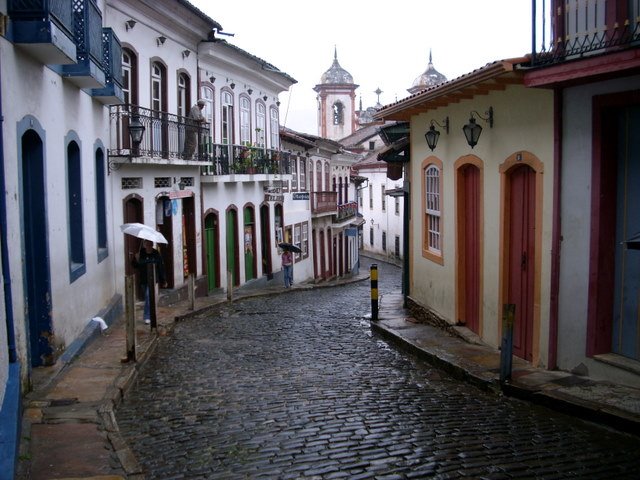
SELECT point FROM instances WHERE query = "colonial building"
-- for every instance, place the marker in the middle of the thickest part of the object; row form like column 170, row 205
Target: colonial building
column 97, row 131
column 481, row 208
column 591, row 63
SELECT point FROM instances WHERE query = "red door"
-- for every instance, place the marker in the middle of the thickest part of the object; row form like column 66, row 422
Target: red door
column 469, row 203
column 521, row 238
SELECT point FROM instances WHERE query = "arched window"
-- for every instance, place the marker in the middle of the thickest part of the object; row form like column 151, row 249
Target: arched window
column 432, row 210
column 327, row 180
column 183, row 95
column 275, row 128
column 158, row 105
column 261, row 123
column 101, row 205
column 130, row 76
column 74, row 205
column 338, row 113
column 319, row 176
column 245, row 121
column 227, row 118
column 207, row 94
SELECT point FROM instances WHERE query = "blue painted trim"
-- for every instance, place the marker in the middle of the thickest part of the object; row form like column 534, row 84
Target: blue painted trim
column 10, row 415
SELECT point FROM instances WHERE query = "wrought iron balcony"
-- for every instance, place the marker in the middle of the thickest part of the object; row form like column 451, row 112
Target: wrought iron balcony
column 112, row 66
column 44, row 28
column 573, row 29
column 167, row 137
column 87, row 29
column 244, row 160
column 324, row 202
column 172, row 139
column 346, row 211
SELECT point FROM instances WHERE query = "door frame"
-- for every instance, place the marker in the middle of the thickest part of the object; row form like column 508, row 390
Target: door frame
column 461, row 211
column 516, row 160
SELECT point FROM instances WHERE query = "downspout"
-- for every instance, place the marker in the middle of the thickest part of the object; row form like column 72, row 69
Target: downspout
column 405, row 235
column 556, row 234
column 6, row 277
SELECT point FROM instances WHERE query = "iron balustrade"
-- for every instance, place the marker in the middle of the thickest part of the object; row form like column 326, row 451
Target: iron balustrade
column 580, row 28
column 239, row 159
column 165, row 136
column 324, row 202
column 346, row 211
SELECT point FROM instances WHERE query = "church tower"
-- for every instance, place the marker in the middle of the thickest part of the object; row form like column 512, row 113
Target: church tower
column 429, row 78
column 336, row 102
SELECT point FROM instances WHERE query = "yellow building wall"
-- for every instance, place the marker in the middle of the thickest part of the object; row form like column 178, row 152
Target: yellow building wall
column 523, row 128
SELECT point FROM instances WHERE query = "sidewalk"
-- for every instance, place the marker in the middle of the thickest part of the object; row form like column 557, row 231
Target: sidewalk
column 601, row 402
column 70, row 432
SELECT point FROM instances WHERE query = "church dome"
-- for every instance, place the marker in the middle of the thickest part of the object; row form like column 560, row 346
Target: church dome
column 430, row 78
column 336, row 74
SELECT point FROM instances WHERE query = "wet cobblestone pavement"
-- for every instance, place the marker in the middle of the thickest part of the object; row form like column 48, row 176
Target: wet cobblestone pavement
column 297, row 386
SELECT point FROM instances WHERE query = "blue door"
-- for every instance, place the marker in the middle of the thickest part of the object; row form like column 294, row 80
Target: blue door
column 626, row 315
column 36, row 251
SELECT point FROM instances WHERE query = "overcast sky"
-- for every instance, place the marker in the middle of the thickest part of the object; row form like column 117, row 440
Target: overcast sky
column 381, row 44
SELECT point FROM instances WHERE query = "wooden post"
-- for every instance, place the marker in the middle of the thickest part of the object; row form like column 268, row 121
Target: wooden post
column 506, row 349
column 130, row 318
column 229, row 286
column 192, row 291
column 151, row 284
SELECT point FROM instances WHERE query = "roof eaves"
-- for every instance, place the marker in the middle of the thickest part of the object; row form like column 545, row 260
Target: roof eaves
column 490, row 71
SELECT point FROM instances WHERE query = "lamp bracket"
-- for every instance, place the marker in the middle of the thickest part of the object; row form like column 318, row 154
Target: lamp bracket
column 445, row 121
column 487, row 118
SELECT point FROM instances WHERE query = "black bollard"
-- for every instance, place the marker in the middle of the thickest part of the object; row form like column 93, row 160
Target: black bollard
column 374, row 291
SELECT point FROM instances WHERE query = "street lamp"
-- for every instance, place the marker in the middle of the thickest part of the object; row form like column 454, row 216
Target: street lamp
column 472, row 130
column 433, row 135
column 136, row 131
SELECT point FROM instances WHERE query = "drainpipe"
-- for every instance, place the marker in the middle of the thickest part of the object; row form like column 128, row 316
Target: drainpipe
column 556, row 234
column 405, row 235
column 6, row 277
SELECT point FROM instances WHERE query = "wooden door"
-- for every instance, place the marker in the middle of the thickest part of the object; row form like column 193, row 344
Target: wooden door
column 233, row 267
column 469, row 246
column 626, row 305
column 37, row 273
column 521, row 261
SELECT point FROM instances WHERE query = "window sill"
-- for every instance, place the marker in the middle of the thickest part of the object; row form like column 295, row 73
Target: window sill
column 434, row 257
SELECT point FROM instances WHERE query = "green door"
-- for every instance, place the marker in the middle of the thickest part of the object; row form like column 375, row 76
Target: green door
column 211, row 245
column 232, row 245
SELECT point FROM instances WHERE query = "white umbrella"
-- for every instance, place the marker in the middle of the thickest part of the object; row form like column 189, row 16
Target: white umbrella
column 143, row 231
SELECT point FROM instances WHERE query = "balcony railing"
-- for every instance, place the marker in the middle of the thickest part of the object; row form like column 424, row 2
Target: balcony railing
column 165, row 135
column 168, row 138
column 579, row 28
column 112, row 66
column 346, row 211
column 238, row 159
column 87, row 72
column 324, row 202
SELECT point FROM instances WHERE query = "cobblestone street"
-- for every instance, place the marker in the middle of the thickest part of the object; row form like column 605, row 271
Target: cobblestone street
column 297, row 386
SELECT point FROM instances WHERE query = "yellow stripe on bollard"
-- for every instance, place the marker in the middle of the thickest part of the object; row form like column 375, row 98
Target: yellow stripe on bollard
column 374, row 291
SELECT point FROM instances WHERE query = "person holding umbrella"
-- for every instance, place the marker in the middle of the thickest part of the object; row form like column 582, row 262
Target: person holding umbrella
column 149, row 255
column 287, row 261
column 287, row 268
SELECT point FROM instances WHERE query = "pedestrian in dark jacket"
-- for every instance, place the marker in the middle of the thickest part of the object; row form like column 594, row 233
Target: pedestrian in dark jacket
column 149, row 255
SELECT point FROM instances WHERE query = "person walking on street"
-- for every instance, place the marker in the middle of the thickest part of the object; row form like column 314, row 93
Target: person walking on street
column 194, row 120
column 287, row 268
column 149, row 255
